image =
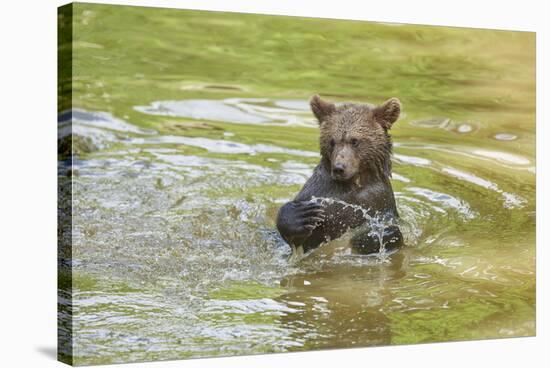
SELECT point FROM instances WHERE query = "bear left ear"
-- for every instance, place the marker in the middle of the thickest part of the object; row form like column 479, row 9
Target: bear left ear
column 387, row 113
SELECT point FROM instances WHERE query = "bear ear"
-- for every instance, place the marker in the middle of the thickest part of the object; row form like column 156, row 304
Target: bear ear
column 321, row 109
column 387, row 113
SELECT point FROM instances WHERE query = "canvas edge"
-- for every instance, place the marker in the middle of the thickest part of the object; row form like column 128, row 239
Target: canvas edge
column 65, row 338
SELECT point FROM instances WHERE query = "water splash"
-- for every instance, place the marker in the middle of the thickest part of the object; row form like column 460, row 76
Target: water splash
column 377, row 223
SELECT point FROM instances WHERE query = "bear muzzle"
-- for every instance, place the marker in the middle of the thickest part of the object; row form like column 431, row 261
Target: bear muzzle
column 344, row 164
column 341, row 172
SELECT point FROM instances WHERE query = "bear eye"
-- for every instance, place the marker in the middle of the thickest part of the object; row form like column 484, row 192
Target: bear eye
column 354, row 142
column 332, row 142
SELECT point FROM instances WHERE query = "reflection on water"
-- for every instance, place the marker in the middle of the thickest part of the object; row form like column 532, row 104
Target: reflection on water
column 237, row 110
column 177, row 179
column 223, row 146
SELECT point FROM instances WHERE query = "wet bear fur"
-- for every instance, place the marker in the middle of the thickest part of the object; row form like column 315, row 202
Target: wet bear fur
column 355, row 167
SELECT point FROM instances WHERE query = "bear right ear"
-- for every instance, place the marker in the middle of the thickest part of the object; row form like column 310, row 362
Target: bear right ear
column 321, row 109
column 387, row 113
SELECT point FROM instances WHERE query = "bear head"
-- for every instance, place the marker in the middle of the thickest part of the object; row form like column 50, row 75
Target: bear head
column 354, row 139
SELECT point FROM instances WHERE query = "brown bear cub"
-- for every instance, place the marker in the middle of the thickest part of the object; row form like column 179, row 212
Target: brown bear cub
column 355, row 168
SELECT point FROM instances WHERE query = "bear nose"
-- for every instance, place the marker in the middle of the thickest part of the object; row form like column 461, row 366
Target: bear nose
column 339, row 168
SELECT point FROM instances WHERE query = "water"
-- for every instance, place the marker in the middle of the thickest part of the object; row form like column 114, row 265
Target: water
column 193, row 129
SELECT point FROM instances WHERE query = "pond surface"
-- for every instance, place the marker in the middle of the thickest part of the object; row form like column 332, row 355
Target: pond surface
column 191, row 129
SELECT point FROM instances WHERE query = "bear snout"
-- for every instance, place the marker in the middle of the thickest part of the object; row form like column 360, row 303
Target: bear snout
column 344, row 163
column 339, row 169
column 342, row 171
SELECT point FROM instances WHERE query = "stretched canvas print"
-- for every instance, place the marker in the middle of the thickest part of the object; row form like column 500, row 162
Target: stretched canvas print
column 237, row 184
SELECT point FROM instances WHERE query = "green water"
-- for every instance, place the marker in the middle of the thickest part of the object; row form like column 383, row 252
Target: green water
column 192, row 128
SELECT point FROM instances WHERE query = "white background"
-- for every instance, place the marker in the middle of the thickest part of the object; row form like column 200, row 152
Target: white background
column 28, row 134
